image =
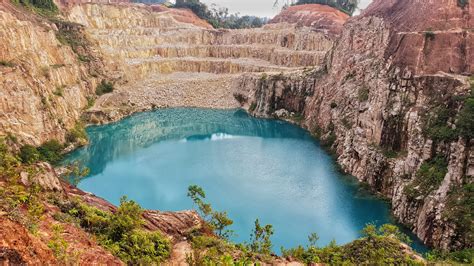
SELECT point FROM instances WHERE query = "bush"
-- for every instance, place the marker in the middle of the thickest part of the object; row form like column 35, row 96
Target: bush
column 380, row 246
column 77, row 134
column 465, row 257
column 104, row 87
column 333, row 105
column 29, row 154
column 6, row 63
column 51, row 151
column 436, row 126
column 363, row 94
column 121, row 232
column 142, row 248
column 43, row 7
column 429, row 34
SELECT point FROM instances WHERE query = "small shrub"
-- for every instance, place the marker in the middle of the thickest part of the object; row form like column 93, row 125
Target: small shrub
column 120, row 232
column 29, row 154
column 436, row 125
column 90, row 102
column 77, row 134
column 240, row 98
column 51, row 151
column 104, row 87
column 429, row 34
column 59, row 91
column 363, row 94
column 6, row 63
column 333, row 105
column 252, row 107
column 83, row 58
column 57, row 243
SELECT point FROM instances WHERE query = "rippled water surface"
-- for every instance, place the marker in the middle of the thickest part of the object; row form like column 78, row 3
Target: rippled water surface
column 252, row 168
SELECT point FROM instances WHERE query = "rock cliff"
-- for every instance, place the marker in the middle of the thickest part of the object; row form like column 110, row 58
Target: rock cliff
column 371, row 101
column 44, row 84
column 157, row 50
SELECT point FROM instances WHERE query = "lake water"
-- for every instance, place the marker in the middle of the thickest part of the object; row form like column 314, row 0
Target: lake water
column 251, row 168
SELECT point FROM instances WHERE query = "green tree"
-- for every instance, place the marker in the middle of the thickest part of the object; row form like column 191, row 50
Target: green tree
column 29, row 154
column 260, row 239
column 219, row 221
column 127, row 218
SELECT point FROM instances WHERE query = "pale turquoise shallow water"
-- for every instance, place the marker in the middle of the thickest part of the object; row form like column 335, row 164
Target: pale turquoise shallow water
column 251, row 168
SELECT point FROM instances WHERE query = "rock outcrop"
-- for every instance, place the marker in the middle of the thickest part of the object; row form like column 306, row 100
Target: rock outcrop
column 19, row 247
column 319, row 17
column 43, row 84
column 371, row 101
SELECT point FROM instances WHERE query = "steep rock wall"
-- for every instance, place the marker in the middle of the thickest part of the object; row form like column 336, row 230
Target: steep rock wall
column 371, row 107
column 43, row 84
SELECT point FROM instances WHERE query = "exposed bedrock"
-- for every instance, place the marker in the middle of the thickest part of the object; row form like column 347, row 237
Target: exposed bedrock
column 43, row 84
column 370, row 104
column 155, row 50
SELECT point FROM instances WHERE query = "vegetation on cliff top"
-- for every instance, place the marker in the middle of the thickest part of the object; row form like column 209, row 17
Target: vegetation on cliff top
column 43, row 7
column 220, row 17
column 346, row 6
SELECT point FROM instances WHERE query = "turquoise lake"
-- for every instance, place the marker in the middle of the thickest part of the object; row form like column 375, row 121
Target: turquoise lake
column 251, row 168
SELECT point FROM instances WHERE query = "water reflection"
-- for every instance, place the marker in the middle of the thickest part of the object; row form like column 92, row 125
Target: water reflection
column 111, row 142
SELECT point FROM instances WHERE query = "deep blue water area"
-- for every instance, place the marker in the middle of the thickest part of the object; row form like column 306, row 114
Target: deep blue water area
column 251, row 168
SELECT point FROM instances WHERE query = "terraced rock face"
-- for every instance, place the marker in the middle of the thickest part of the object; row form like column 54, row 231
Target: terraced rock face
column 155, row 49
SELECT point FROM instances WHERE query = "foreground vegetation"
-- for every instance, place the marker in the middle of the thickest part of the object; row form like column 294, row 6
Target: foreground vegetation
column 120, row 232
column 381, row 245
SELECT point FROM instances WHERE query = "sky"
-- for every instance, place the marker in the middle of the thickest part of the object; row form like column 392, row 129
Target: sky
column 260, row 8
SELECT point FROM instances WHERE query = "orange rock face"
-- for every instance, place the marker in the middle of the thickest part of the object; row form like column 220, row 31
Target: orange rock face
column 320, row 17
column 429, row 36
column 18, row 247
column 183, row 15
